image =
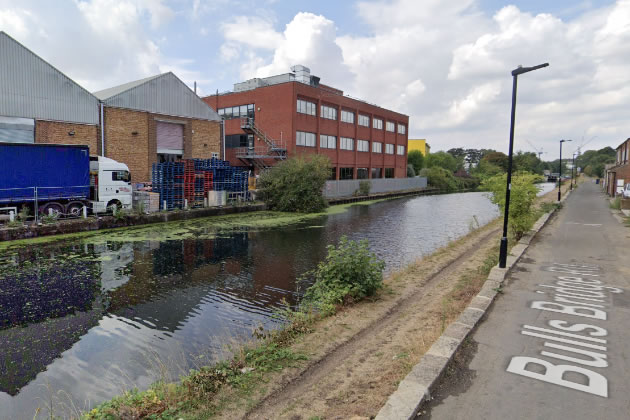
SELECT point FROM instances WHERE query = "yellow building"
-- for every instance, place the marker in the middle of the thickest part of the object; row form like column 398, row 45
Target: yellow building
column 419, row 144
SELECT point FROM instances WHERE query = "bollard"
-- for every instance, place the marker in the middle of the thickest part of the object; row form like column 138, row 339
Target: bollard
column 50, row 212
column 205, row 202
column 85, row 212
column 11, row 216
column 185, row 204
column 164, row 205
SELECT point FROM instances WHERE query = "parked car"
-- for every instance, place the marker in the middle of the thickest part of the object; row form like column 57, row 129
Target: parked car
column 626, row 191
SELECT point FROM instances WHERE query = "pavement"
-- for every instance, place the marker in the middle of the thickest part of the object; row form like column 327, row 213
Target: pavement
column 555, row 343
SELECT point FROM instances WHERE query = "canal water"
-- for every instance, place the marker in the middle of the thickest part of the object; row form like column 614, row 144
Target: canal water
column 84, row 318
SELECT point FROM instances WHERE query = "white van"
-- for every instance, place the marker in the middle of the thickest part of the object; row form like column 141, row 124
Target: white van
column 110, row 185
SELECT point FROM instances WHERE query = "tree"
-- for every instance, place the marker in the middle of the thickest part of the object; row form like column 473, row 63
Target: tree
column 497, row 158
column 527, row 161
column 442, row 160
column 416, row 159
column 440, row 178
column 295, row 185
column 522, row 196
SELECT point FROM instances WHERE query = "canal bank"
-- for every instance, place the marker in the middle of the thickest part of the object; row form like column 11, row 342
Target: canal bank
column 130, row 219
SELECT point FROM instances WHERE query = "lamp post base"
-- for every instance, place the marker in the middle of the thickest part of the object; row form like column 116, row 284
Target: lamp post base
column 503, row 252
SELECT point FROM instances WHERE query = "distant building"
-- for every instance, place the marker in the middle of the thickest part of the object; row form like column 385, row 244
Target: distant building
column 157, row 119
column 292, row 114
column 419, row 144
column 619, row 174
column 40, row 104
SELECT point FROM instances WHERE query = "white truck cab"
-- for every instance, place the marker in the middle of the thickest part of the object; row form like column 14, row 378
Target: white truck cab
column 110, row 184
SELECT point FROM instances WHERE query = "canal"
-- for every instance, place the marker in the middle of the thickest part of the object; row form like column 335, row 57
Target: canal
column 83, row 318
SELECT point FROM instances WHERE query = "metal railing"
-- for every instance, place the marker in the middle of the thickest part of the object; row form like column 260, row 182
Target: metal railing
column 36, row 195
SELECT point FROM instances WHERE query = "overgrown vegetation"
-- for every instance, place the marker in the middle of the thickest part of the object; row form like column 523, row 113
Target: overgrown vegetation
column 364, row 188
column 615, row 204
column 522, row 197
column 440, row 178
column 295, row 185
column 415, row 158
column 349, row 273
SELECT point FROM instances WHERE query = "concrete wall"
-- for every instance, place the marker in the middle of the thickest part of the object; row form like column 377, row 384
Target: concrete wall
column 58, row 133
column 334, row 189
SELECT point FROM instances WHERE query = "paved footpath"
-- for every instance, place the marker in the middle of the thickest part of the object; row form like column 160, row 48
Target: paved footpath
column 556, row 343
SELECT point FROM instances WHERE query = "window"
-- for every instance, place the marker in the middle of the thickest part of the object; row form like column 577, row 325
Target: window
column 377, row 147
column 236, row 111
column 329, row 113
column 364, row 120
column 305, row 107
column 378, row 124
column 401, row 150
column 389, row 172
column 402, row 129
column 333, row 174
column 362, row 173
column 363, row 145
column 121, row 176
column 305, row 139
column 346, row 173
column 347, row 116
column 389, row 126
column 235, row 140
column 389, row 149
column 376, row 173
column 346, row 144
column 327, row 142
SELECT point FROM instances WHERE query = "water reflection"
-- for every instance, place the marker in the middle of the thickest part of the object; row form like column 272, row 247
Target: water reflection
column 178, row 303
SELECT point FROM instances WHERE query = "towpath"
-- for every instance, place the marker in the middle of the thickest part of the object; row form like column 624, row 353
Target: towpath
column 555, row 343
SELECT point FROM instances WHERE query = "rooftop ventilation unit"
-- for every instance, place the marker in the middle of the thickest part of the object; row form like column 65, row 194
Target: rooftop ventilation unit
column 302, row 74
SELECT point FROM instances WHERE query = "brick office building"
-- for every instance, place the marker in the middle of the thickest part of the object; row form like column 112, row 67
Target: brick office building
column 40, row 104
column 298, row 114
column 157, row 119
column 621, row 169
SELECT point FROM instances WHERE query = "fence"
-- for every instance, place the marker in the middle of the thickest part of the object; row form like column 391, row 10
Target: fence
column 346, row 188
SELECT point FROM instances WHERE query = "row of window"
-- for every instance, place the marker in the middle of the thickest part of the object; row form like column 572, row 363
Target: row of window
column 237, row 112
column 362, row 173
column 330, row 113
column 330, row 142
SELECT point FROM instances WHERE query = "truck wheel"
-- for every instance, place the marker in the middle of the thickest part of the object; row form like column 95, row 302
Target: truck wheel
column 57, row 209
column 113, row 205
column 75, row 209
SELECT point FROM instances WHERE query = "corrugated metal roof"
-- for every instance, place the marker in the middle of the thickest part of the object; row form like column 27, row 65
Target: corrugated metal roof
column 32, row 88
column 163, row 94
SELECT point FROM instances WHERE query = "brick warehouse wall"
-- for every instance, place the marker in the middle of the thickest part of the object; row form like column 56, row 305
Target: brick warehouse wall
column 139, row 151
column 57, row 133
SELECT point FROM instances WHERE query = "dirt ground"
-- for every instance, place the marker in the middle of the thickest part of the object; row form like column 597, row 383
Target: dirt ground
column 358, row 357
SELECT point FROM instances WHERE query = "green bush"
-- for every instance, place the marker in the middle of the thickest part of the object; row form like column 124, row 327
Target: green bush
column 440, row 178
column 442, row 160
column 522, row 197
column 415, row 158
column 364, row 188
column 467, row 183
column 349, row 273
column 295, row 185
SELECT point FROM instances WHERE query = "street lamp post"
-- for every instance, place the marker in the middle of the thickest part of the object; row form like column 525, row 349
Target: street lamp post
column 573, row 169
column 560, row 171
column 504, row 241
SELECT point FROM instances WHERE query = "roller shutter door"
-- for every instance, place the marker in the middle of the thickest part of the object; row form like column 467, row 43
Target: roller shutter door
column 170, row 138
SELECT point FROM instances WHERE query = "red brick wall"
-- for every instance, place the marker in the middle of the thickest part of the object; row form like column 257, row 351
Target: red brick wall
column 617, row 173
column 57, row 133
column 277, row 115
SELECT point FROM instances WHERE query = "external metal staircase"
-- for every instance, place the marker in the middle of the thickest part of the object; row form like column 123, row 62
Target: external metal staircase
column 260, row 156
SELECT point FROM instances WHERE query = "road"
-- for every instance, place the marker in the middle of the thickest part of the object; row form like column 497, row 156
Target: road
column 556, row 342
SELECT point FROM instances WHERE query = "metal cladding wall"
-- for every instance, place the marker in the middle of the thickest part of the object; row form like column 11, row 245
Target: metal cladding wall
column 164, row 95
column 346, row 188
column 58, row 171
column 32, row 88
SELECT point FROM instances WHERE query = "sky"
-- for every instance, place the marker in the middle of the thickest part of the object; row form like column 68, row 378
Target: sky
column 446, row 64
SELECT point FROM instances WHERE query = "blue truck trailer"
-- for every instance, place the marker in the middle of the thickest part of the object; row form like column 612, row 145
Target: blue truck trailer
column 61, row 179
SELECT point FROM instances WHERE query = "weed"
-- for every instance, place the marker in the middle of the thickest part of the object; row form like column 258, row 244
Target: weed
column 50, row 218
column 119, row 214
column 616, row 203
column 24, row 213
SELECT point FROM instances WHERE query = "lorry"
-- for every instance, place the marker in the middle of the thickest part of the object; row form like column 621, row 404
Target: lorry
column 61, row 180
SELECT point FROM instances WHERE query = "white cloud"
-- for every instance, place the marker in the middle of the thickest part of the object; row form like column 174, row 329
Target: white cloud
column 252, row 31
